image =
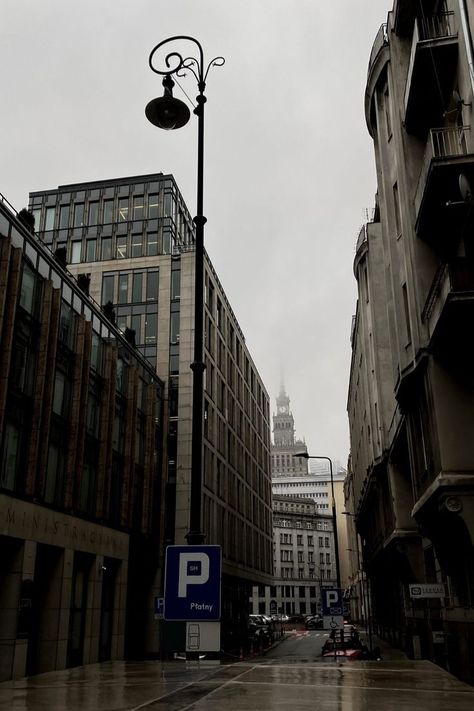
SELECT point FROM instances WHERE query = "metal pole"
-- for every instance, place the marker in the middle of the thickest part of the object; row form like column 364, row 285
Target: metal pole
column 195, row 535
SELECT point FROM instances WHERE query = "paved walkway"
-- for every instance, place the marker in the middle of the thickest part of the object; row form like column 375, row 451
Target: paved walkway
column 264, row 685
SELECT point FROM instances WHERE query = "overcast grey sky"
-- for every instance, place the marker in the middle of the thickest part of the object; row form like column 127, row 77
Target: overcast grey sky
column 289, row 167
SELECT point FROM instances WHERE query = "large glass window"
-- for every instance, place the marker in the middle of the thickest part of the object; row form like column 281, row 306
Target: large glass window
column 168, row 205
column 93, row 213
column 121, row 249
column 59, row 398
column 108, row 289
column 27, row 289
column 174, row 328
column 152, row 207
column 91, row 248
column 95, row 352
column 49, row 219
column 123, row 210
column 76, row 252
column 78, row 214
column 37, row 215
column 137, row 245
column 123, row 289
column 106, row 247
column 64, row 217
column 137, row 327
column 175, row 284
column 152, row 286
column 150, row 328
column 138, row 207
column 108, row 211
column 152, row 244
column 137, row 287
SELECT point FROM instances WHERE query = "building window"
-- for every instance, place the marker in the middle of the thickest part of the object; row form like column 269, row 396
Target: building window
column 152, row 286
column 123, row 210
column 64, row 217
column 10, row 458
column 108, row 289
column 121, row 247
column 76, row 248
column 49, row 218
column 137, row 287
column 328, row 558
column 326, row 541
column 91, row 247
column 93, row 213
column 150, row 328
column 123, row 289
column 175, row 284
column 152, row 250
column 106, row 248
column 138, row 207
column 174, row 327
column 152, row 207
column 137, row 245
column 78, row 214
column 108, row 211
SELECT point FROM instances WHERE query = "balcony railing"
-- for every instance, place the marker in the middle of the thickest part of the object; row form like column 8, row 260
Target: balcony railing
column 436, row 27
column 442, row 143
column 447, row 142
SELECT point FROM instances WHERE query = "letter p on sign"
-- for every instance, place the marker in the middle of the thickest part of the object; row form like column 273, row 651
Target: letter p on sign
column 332, row 598
column 193, row 570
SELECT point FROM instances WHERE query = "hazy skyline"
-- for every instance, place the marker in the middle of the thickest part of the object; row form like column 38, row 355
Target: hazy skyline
column 289, row 166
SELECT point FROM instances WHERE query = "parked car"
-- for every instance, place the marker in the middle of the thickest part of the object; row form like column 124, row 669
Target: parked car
column 296, row 618
column 314, row 623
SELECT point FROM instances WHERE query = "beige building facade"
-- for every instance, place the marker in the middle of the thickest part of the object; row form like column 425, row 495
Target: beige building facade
column 410, row 483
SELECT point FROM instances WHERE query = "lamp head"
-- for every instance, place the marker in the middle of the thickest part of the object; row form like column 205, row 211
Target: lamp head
column 166, row 111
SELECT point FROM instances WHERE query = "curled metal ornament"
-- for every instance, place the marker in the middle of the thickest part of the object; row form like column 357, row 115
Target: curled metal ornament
column 177, row 64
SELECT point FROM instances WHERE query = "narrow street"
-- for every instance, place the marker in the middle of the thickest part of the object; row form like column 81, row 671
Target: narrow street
column 290, row 676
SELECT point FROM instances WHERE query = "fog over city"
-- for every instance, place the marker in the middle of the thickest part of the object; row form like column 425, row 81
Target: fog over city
column 289, row 167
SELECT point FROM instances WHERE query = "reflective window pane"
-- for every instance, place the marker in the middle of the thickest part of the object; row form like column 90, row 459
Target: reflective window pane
column 137, row 287
column 64, row 217
column 152, row 244
column 121, row 248
column 108, row 289
column 138, row 207
column 76, row 252
column 49, row 219
column 108, row 211
column 150, row 328
column 152, row 286
column 123, row 289
column 137, row 245
column 106, row 248
column 123, row 210
column 93, row 213
column 79, row 214
column 152, row 207
column 91, row 245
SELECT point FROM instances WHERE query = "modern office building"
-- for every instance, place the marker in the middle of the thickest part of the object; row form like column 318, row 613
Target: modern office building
column 303, row 556
column 81, row 488
column 132, row 240
column 411, row 395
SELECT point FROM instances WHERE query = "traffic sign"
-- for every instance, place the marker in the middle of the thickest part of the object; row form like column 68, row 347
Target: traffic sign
column 332, row 602
column 333, row 622
column 203, row 636
column 193, row 583
column 273, row 607
column 159, row 607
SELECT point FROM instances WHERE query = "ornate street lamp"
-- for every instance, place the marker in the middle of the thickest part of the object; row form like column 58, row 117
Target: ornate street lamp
column 169, row 113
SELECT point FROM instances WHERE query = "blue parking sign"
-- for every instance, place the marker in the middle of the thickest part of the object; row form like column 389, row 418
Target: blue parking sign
column 193, row 583
column 332, row 603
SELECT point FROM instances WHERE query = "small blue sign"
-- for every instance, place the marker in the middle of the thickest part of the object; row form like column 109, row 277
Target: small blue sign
column 193, row 583
column 332, row 601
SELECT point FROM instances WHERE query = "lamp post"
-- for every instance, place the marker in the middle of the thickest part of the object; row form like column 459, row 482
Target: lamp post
column 305, row 455
column 169, row 113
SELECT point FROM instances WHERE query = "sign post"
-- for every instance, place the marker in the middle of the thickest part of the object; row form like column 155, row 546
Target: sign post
column 333, row 608
column 193, row 594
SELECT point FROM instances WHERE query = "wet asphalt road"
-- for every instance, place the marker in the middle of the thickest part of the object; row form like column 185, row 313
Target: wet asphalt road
column 292, row 677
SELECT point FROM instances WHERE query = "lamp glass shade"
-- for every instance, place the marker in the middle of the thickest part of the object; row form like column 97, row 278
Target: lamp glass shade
column 167, row 112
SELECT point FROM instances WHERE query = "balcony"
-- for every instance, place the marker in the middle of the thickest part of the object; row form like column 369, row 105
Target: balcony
column 439, row 211
column 449, row 312
column 433, row 61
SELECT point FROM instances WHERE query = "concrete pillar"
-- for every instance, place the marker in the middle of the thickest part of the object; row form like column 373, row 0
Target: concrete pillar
column 27, row 573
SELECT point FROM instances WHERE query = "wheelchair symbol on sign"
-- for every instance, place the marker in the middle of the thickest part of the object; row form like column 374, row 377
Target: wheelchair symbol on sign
column 333, row 625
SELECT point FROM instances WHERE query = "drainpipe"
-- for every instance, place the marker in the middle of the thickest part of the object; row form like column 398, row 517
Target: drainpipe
column 466, row 30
